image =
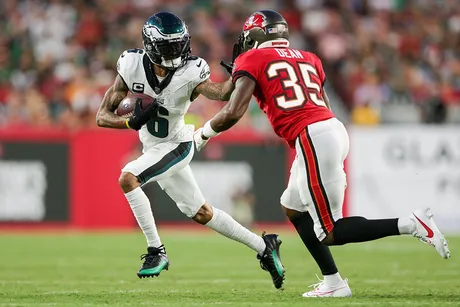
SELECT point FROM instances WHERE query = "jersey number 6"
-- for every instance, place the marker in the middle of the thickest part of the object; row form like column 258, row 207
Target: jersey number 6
column 159, row 126
column 292, row 82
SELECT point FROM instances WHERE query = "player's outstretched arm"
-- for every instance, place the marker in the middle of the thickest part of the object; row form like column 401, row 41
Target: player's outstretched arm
column 106, row 116
column 230, row 114
column 215, row 91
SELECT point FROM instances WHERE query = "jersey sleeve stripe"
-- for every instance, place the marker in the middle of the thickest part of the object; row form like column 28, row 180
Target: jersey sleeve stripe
column 240, row 73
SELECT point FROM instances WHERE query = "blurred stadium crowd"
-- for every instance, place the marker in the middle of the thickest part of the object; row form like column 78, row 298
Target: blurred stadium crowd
column 387, row 60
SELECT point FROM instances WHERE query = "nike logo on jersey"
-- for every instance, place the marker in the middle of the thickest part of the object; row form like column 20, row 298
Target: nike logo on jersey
column 428, row 229
column 199, row 64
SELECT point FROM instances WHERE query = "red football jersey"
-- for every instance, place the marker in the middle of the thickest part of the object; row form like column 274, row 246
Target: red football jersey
column 288, row 89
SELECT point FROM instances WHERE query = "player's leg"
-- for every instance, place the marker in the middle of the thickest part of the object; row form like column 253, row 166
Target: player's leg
column 298, row 215
column 156, row 163
column 324, row 148
column 183, row 189
column 296, row 211
column 420, row 224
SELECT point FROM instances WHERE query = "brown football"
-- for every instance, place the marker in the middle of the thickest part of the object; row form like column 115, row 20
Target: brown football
column 126, row 106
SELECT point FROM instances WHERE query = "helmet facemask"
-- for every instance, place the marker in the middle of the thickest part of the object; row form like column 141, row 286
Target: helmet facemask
column 169, row 51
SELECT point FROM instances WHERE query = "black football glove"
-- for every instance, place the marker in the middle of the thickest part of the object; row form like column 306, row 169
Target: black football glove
column 228, row 66
column 140, row 117
column 237, row 50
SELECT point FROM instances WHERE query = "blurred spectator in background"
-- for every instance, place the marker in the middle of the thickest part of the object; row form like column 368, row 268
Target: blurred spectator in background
column 389, row 61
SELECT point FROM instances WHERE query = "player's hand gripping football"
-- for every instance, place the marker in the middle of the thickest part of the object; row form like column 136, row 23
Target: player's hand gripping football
column 237, row 50
column 140, row 116
column 200, row 142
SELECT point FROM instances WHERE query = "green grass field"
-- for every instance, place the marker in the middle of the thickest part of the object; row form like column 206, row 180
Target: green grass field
column 208, row 270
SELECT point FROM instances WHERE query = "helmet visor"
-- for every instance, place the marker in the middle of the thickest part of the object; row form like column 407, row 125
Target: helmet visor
column 171, row 50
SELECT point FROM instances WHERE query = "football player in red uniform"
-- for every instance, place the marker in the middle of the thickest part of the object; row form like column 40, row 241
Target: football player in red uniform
column 288, row 85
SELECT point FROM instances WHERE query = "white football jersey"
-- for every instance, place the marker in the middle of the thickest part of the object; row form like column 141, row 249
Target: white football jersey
column 174, row 99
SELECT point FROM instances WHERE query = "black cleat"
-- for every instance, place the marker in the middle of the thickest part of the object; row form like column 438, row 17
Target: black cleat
column 270, row 261
column 155, row 261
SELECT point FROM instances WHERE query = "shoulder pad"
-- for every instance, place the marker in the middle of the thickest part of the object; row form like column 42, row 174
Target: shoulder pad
column 248, row 64
column 129, row 61
column 248, row 55
column 192, row 57
column 197, row 69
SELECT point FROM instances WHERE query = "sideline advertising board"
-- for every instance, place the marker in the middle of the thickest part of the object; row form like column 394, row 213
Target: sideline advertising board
column 396, row 169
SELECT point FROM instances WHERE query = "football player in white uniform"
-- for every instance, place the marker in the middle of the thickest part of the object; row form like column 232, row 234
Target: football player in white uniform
column 165, row 70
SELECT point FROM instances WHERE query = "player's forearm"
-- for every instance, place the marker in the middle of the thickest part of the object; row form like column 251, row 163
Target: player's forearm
column 233, row 111
column 230, row 114
column 105, row 116
column 217, row 91
column 224, row 121
column 111, row 120
column 221, row 122
column 227, row 89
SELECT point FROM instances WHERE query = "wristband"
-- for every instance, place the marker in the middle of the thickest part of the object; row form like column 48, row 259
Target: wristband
column 127, row 124
column 208, row 131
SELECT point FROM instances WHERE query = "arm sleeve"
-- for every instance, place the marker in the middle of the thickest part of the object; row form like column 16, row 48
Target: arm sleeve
column 246, row 65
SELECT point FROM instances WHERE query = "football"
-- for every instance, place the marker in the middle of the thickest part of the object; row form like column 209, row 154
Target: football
column 126, row 106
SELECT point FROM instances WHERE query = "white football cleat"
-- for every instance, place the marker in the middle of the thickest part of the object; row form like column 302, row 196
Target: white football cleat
column 322, row 290
column 427, row 231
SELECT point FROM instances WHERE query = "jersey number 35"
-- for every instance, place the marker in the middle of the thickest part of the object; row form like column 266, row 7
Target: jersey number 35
column 292, row 82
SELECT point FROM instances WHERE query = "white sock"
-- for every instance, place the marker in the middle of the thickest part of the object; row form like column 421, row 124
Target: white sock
column 224, row 224
column 140, row 205
column 332, row 280
column 406, row 225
